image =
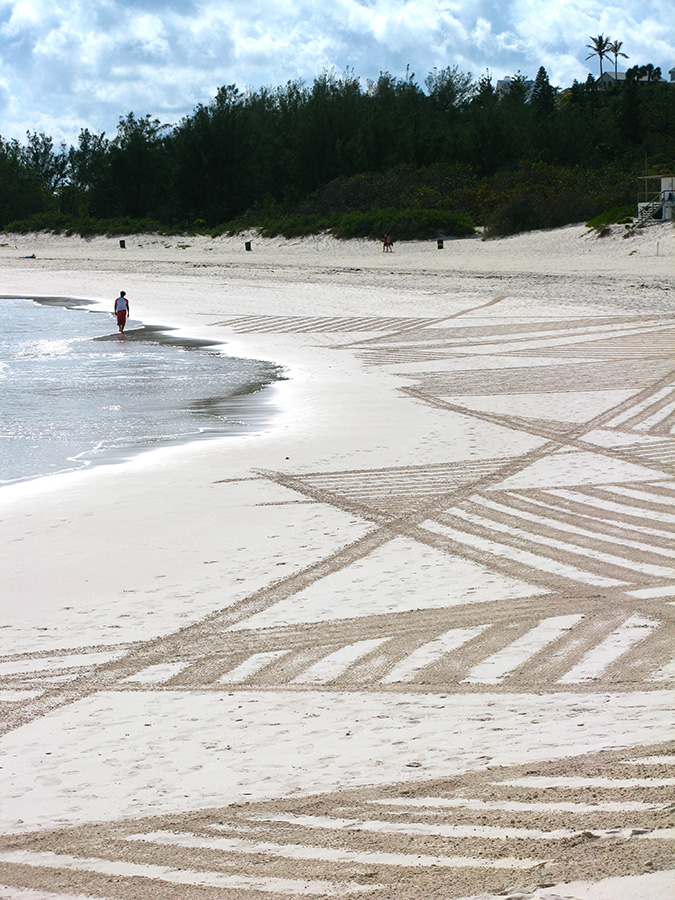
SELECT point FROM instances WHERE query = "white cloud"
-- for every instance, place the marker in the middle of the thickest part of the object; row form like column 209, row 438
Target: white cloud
column 149, row 36
column 482, row 34
column 67, row 64
column 27, row 15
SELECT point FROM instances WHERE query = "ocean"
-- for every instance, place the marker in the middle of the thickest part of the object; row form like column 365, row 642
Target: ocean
column 75, row 392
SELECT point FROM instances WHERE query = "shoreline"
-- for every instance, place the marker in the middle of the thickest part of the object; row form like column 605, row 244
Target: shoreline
column 444, row 569
column 246, row 411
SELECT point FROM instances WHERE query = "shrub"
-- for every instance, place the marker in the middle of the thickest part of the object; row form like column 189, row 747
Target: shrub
column 517, row 214
column 292, row 226
column 618, row 215
column 85, row 226
column 404, row 224
column 531, row 207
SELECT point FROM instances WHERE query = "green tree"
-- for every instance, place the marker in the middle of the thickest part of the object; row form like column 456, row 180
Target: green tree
column 449, row 89
column 86, row 162
column 48, row 165
column 21, row 192
column 600, row 47
column 629, row 111
column 543, row 95
column 518, row 91
column 137, row 168
column 206, row 152
column 292, row 155
column 649, row 73
column 326, row 140
column 482, row 129
column 652, row 73
column 88, row 191
column 485, row 94
column 615, row 49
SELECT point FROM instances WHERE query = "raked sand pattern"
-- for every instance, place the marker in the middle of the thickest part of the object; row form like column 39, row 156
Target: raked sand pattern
column 464, row 689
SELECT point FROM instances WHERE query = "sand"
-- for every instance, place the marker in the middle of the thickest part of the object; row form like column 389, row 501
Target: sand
column 412, row 639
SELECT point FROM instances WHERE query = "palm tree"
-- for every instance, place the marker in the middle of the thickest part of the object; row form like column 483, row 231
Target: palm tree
column 600, row 47
column 615, row 49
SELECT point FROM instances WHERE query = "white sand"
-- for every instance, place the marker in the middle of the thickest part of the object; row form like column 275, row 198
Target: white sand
column 450, row 549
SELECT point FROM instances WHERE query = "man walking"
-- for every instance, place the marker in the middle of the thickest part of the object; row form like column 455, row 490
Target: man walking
column 121, row 310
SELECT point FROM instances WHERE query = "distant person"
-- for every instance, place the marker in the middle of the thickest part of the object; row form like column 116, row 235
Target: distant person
column 122, row 310
column 388, row 244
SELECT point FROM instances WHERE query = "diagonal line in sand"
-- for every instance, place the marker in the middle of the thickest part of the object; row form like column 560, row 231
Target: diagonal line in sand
column 160, row 649
column 405, row 329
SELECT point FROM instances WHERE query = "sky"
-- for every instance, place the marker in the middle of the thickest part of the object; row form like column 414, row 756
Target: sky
column 66, row 65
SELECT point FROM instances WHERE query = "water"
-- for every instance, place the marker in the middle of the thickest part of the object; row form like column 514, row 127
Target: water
column 76, row 392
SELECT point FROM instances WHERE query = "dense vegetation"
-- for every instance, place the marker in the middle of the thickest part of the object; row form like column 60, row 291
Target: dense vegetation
column 356, row 161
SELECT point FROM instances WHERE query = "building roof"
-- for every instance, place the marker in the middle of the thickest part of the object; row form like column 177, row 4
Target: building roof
column 621, row 76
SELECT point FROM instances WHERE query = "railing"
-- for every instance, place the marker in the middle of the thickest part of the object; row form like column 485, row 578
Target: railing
column 647, row 212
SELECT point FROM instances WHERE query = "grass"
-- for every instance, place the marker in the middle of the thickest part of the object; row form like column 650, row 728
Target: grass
column 617, row 215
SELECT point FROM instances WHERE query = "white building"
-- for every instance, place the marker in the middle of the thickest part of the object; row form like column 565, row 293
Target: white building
column 658, row 204
column 503, row 86
column 609, row 78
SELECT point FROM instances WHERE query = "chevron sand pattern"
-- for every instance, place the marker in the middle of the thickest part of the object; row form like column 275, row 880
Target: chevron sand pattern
column 446, row 835
column 529, row 569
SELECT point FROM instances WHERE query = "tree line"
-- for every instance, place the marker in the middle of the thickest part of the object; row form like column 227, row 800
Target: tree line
column 336, row 154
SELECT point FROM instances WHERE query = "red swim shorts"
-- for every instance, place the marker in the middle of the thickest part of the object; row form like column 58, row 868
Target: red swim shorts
column 121, row 317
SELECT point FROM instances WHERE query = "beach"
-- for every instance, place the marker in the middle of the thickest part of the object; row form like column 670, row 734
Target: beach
column 413, row 637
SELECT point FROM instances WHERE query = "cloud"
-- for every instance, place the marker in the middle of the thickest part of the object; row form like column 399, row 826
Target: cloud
column 68, row 64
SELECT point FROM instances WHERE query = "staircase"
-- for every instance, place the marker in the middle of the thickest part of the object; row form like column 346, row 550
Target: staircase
column 648, row 211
